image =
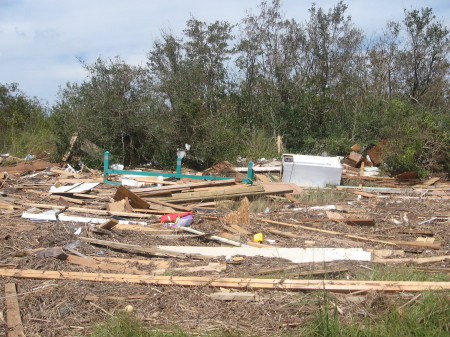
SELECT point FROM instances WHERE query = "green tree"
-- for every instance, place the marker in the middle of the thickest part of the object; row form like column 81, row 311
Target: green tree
column 425, row 57
column 115, row 109
column 191, row 77
column 23, row 122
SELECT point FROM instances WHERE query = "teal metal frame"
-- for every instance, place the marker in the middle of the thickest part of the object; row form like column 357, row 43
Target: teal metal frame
column 107, row 171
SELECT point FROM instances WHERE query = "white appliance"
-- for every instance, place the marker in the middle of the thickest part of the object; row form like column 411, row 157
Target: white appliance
column 311, row 170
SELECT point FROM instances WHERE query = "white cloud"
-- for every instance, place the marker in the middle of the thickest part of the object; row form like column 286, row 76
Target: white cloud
column 41, row 40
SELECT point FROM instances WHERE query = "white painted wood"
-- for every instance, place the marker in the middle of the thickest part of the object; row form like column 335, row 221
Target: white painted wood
column 62, row 217
column 295, row 255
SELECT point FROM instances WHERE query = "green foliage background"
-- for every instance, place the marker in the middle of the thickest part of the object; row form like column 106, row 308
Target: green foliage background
column 229, row 90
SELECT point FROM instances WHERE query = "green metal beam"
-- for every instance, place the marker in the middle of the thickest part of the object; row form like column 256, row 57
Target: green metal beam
column 178, row 175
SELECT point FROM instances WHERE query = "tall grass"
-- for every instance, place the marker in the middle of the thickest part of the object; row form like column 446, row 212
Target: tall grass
column 428, row 316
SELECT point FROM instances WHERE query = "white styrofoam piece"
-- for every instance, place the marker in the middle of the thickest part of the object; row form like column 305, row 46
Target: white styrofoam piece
column 132, row 182
column 40, row 216
column 311, row 170
column 295, row 255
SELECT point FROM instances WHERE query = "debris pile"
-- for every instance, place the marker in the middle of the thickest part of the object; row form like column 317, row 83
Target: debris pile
column 74, row 250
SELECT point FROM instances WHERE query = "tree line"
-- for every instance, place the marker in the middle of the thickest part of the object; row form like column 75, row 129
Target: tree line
column 230, row 89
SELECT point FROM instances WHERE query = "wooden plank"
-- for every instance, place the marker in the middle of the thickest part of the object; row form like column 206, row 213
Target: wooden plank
column 364, row 194
column 72, row 141
column 132, row 248
column 276, row 186
column 239, row 283
column 432, row 245
column 135, row 201
column 217, row 193
column 420, row 260
column 415, row 231
column 95, row 298
column 184, row 186
column 351, row 236
column 119, row 206
column 6, row 206
column 240, row 229
column 109, row 224
column 360, row 222
column 431, row 181
column 211, row 267
column 281, row 233
column 158, row 263
column 259, row 245
column 13, row 319
column 226, row 194
column 145, row 229
column 291, row 198
column 167, row 204
column 91, row 263
column 66, row 173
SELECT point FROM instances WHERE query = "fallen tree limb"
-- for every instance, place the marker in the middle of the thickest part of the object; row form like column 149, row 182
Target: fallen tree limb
column 246, row 283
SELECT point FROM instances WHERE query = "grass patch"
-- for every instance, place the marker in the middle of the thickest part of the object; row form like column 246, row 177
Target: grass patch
column 398, row 273
column 428, row 316
column 323, row 196
column 257, row 205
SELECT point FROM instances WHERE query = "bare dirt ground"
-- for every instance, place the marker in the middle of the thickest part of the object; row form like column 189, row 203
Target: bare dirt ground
column 72, row 308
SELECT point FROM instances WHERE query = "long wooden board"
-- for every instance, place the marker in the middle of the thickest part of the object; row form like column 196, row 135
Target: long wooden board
column 245, row 283
column 13, row 320
column 420, row 260
column 100, row 265
column 351, row 236
column 133, row 248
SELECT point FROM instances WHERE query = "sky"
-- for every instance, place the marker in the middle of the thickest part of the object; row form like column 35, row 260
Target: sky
column 42, row 41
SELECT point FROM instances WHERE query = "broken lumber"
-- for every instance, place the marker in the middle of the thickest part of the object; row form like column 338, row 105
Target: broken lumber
column 72, row 141
column 351, row 236
column 242, row 283
column 420, row 260
column 13, row 319
column 135, row 201
column 91, row 263
column 419, row 244
column 214, row 237
column 109, row 224
column 241, row 216
column 180, row 187
column 360, row 222
column 133, row 248
column 281, row 233
column 167, row 204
